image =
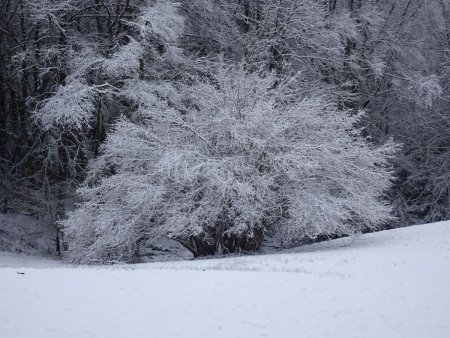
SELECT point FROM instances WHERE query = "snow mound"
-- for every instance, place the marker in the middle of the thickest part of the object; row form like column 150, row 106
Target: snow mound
column 388, row 284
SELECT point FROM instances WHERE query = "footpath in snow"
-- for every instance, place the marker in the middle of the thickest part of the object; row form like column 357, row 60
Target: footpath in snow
column 389, row 284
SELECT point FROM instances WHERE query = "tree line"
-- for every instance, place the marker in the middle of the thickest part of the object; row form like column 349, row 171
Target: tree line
column 217, row 122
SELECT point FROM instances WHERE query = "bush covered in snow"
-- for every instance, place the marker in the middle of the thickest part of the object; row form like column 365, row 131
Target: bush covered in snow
column 240, row 162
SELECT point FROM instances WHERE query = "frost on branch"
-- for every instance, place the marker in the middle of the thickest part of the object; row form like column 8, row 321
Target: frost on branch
column 427, row 90
column 125, row 62
column 162, row 19
column 72, row 105
column 237, row 164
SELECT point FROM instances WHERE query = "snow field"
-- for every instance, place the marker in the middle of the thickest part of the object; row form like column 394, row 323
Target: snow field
column 388, row 284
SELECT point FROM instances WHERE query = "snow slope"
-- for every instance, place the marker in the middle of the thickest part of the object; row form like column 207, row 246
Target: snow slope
column 389, row 284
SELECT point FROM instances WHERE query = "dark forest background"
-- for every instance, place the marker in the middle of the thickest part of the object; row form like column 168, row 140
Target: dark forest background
column 78, row 78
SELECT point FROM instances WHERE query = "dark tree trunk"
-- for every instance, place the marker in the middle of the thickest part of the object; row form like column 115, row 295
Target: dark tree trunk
column 5, row 206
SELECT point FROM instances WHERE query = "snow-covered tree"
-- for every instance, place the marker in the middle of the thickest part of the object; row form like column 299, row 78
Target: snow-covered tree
column 406, row 97
column 237, row 163
column 79, row 66
column 74, row 73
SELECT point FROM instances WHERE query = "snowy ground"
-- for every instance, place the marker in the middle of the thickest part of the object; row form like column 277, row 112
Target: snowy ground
column 389, row 284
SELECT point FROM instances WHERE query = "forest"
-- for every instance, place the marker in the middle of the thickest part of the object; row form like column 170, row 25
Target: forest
column 219, row 123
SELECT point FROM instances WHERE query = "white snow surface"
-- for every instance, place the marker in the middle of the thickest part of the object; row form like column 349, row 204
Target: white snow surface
column 389, row 284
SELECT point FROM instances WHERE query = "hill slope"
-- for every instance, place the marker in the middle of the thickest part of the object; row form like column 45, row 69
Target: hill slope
column 388, row 284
